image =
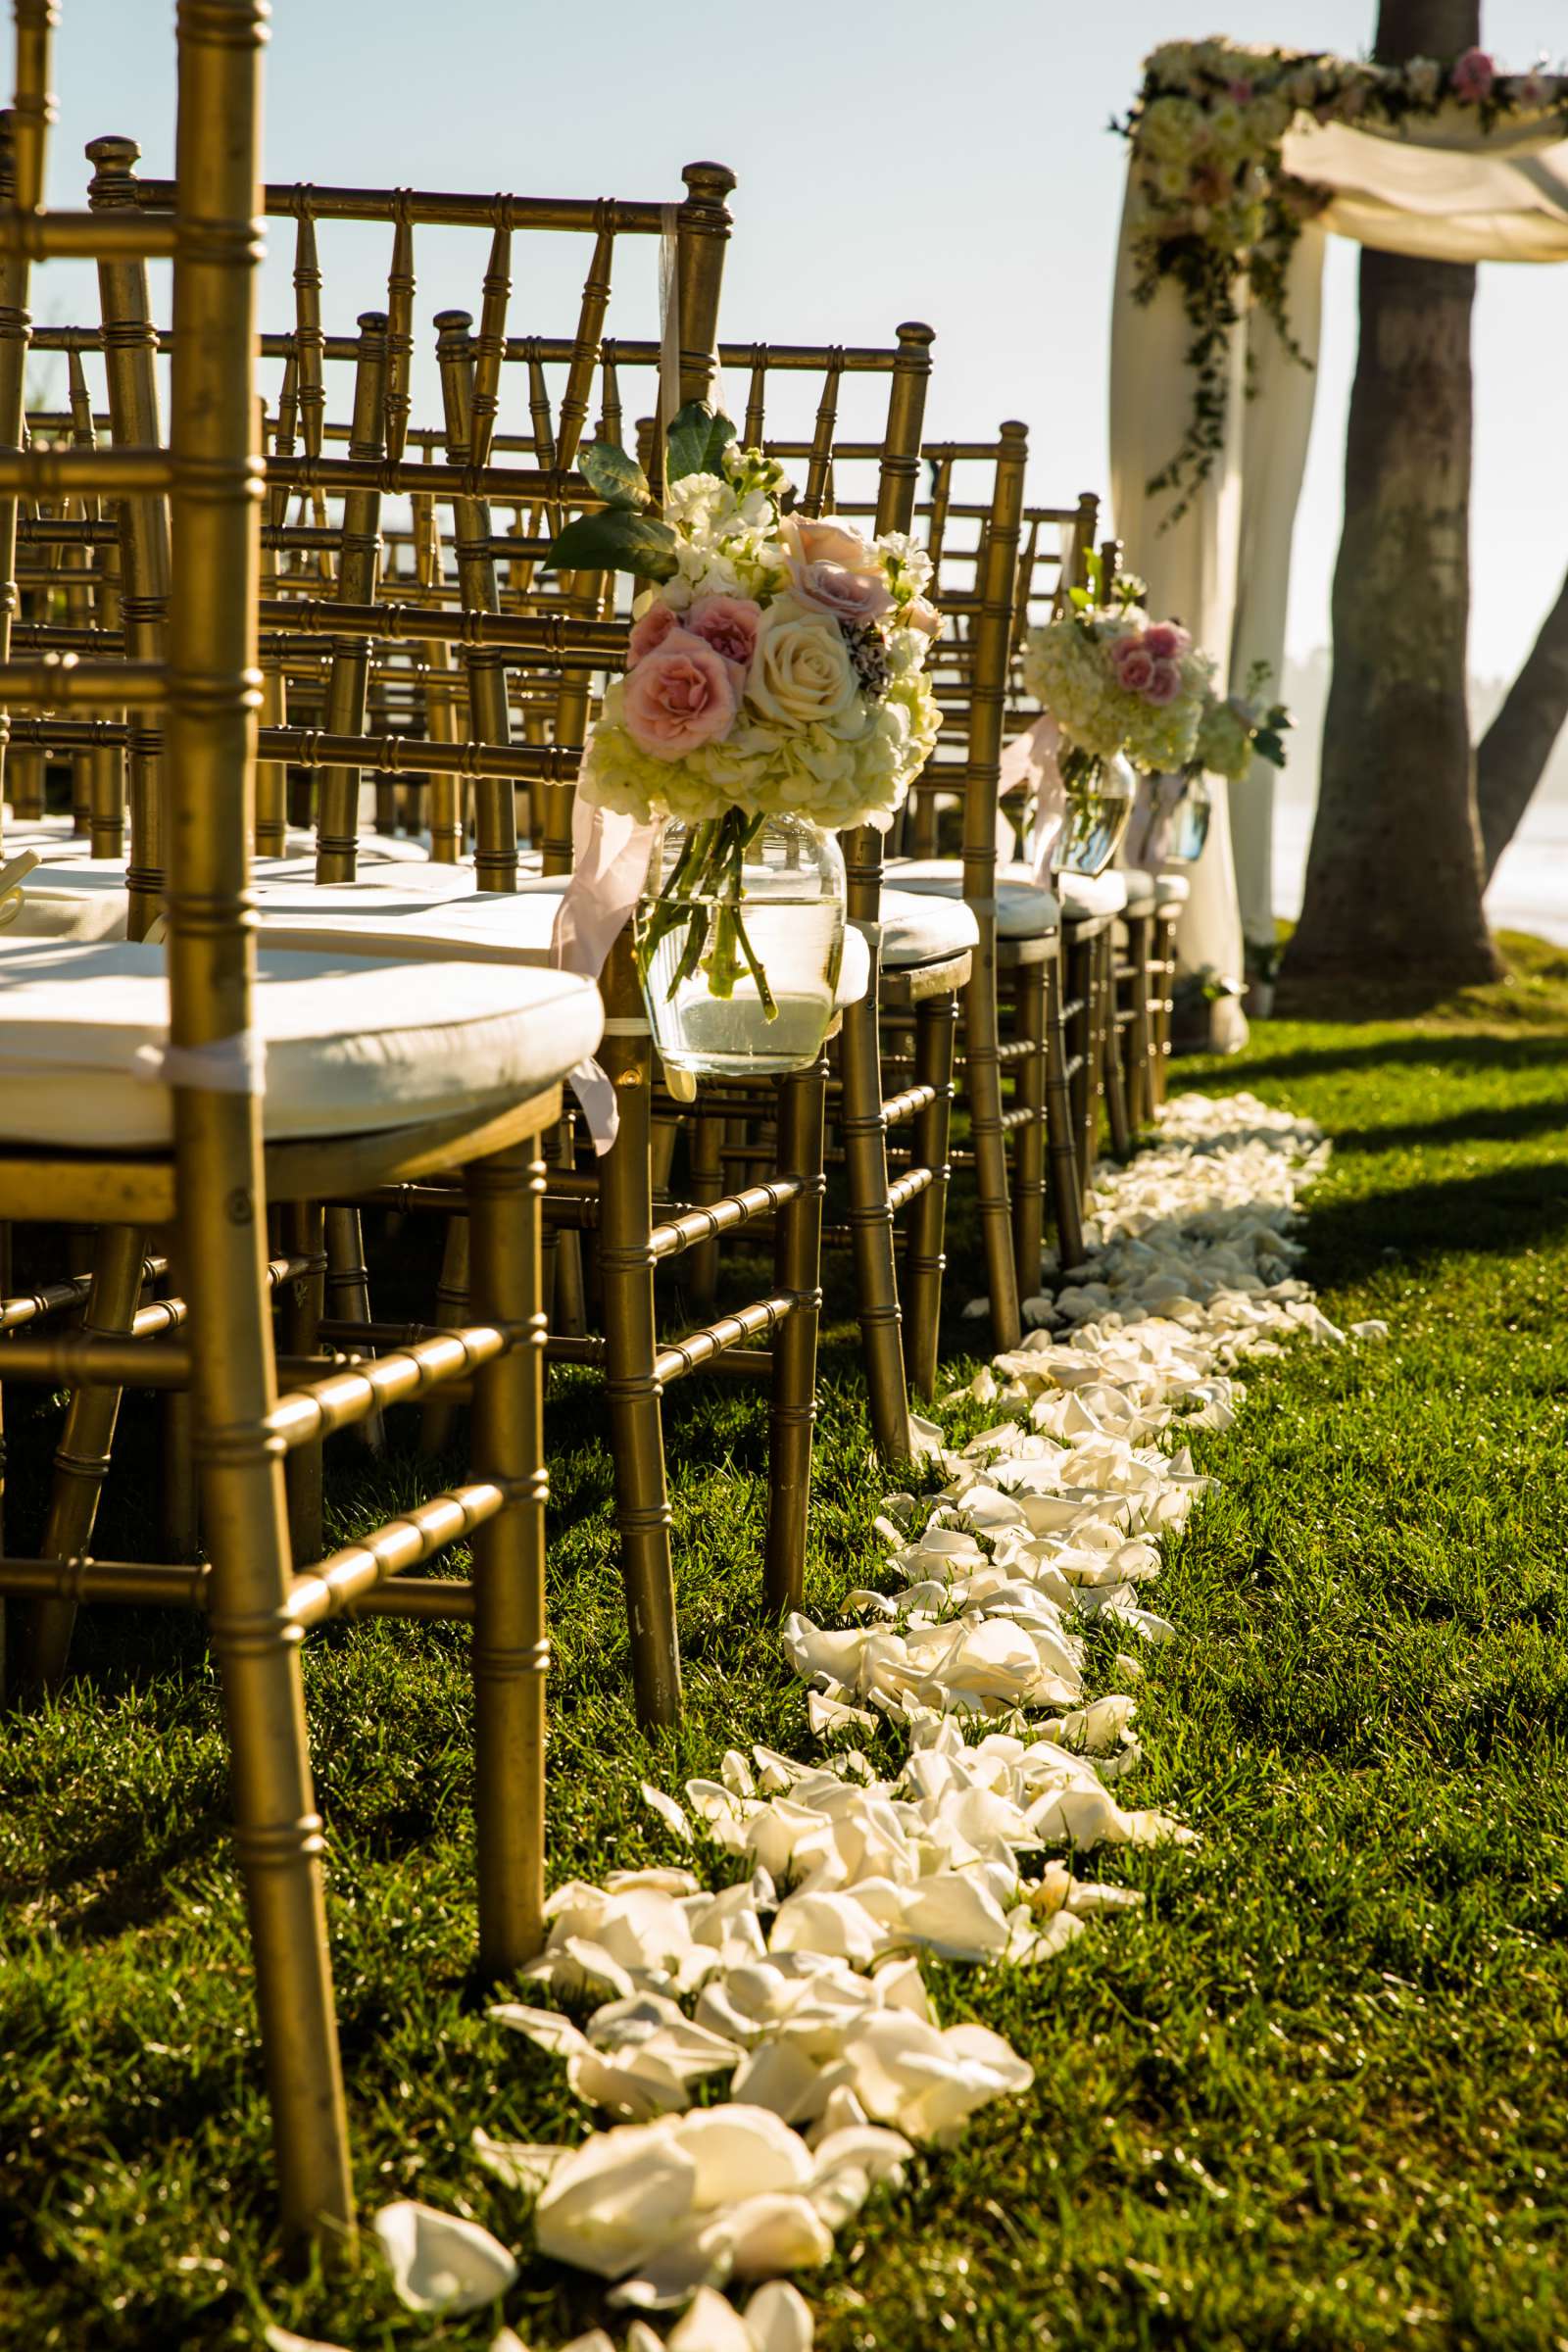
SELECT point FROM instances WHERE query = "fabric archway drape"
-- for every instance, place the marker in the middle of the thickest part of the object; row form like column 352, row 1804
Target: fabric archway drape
column 1443, row 190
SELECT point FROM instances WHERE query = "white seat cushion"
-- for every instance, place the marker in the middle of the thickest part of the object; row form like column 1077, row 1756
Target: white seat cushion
column 1025, row 907
column 1141, row 895
column 70, row 894
column 922, row 927
column 1086, row 895
column 70, row 897
column 1171, row 890
column 379, row 919
column 354, row 1043
column 412, row 873
column 40, row 833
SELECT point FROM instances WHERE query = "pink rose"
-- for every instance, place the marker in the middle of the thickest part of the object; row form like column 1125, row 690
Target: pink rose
column 1164, row 686
column 919, row 614
column 829, row 540
column 1473, row 76
column 1136, row 666
column 728, row 623
column 650, row 631
column 1166, row 640
column 843, row 595
column 679, row 697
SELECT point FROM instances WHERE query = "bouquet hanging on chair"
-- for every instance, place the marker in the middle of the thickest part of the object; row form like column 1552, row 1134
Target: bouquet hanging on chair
column 1118, row 686
column 774, row 695
column 1236, row 729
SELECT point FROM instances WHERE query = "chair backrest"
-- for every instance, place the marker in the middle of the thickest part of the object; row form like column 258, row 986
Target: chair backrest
column 970, row 519
column 209, row 472
column 878, row 458
column 1054, row 559
column 462, row 478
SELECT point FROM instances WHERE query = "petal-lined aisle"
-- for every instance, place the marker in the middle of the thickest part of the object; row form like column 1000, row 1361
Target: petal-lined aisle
column 801, row 1980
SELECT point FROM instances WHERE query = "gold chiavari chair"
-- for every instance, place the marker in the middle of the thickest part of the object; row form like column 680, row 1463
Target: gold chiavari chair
column 562, row 637
column 923, row 948
column 1120, row 926
column 1093, row 906
column 1019, row 1014
column 265, row 1087
column 922, row 952
column 82, row 902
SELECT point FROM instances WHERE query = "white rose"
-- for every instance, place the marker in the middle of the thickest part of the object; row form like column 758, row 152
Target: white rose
column 801, row 673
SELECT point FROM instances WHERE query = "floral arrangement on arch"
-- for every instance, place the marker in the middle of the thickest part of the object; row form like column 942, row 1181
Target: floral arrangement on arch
column 775, row 669
column 1117, row 683
column 1216, row 207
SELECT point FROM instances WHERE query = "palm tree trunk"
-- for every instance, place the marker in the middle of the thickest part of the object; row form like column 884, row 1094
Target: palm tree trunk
column 1393, row 879
column 1513, row 753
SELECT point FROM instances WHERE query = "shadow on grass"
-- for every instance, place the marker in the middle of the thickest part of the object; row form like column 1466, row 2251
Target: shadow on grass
column 1440, row 1049
column 1499, row 1210
column 1511, row 1124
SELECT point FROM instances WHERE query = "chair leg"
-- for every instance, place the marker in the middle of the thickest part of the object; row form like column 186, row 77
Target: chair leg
column 1140, row 1036
column 179, row 1518
column 1081, row 985
column 936, row 1021
column 438, row 1417
column 705, row 1174
column 865, row 1155
column 511, row 1644
column 1119, row 1077
column 278, row 1833
column 1066, row 1186
column 568, row 1312
column 798, row 1269
column 636, row 1421
column 1105, row 1037
column 303, row 1300
column 1029, row 1093
column 1164, row 958
column 983, row 1084
column 348, row 1293
column 81, row 1459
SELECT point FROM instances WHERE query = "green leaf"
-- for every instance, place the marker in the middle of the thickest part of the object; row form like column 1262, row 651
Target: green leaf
column 1267, row 745
column 617, row 540
column 696, row 441
column 616, row 479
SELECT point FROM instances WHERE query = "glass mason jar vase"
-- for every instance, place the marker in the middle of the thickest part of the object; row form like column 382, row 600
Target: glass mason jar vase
column 1099, row 808
column 1194, row 811
column 740, row 939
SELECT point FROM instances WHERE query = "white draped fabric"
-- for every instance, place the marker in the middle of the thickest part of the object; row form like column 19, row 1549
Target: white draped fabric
column 1444, row 189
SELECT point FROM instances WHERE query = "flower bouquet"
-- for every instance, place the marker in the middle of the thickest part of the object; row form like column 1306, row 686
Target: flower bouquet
column 1236, row 730
column 1121, row 689
column 1233, row 732
column 774, row 695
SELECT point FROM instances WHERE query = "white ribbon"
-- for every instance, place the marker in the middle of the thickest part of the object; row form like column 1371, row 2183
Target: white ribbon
column 610, row 856
column 669, row 315
column 12, row 876
column 226, row 1065
column 1030, row 760
column 1147, row 842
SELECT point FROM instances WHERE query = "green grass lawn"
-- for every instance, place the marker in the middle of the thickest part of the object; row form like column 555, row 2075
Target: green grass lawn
column 1312, row 2096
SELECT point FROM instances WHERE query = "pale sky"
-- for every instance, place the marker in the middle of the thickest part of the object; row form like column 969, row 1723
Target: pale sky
column 919, row 160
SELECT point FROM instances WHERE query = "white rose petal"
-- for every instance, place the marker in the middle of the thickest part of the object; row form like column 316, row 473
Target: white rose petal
column 440, row 2262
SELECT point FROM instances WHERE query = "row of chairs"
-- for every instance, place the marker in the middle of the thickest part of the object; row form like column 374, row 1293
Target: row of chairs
column 239, row 1030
